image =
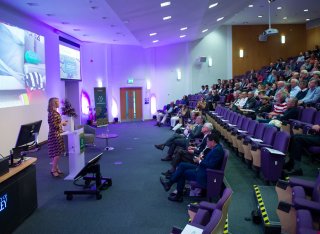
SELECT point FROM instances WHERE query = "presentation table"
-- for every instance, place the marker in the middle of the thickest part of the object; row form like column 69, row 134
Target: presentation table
column 18, row 195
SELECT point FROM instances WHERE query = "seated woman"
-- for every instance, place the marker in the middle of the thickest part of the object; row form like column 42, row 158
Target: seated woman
column 201, row 105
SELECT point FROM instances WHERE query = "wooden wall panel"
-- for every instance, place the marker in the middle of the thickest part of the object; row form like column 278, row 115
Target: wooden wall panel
column 313, row 38
column 258, row 54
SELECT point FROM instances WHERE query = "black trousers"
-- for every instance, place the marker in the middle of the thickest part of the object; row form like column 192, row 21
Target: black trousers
column 300, row 142
column 181, row 155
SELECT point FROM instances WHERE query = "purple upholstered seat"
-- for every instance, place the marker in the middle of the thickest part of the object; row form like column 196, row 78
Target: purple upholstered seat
column 272, row 163
column 307, row 117
column 214, row 179
column 300, row 201
column 304, row 223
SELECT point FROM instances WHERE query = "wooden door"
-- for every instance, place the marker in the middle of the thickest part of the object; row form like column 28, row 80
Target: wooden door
column 131, row 104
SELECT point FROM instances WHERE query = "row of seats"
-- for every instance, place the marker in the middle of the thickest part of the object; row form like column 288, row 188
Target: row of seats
column 299, row 205
column 259, row 144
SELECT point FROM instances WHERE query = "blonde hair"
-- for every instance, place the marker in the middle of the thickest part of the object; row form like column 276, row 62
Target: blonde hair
column 52, row 104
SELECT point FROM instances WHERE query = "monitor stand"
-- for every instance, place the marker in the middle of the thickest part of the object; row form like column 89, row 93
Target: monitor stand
column 99, row 183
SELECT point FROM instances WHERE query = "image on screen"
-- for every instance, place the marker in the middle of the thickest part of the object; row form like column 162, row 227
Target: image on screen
column 22, row 66
column 69, row 63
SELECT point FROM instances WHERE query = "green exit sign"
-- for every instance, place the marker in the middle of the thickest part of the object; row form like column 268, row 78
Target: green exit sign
column 130, row 81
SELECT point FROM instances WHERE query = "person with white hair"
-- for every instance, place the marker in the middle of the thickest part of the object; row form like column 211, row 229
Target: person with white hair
column 295, row 89
column 187, row 155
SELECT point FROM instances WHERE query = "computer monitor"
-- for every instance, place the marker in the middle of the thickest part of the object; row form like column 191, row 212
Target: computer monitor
column 28, row 133
column 87, row 167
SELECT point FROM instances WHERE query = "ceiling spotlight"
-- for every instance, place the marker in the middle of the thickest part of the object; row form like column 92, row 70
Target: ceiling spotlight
column 164, row 4
column 153, row 34
column 307, row 19
column 185, row 28
column 213, row 5
column 204, row 30
column 155, row 41
column 279, row 8
column 285, row 17
column 259, row 16
column 221, row 18
column 181, row 36
column 250, row 5
column 305, row 10
column 32, row 4
column 167, row 17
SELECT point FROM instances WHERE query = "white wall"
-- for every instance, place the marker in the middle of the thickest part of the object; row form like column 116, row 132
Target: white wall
column 11, row 118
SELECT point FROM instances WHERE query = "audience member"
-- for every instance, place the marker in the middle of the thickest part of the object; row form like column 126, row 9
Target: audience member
column 192, row 172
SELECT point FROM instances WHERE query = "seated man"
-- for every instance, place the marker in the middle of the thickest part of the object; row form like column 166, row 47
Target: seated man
column 182, row 140
column 297, row 144
column 188, row 171
column 187, row 155
column 161, row 117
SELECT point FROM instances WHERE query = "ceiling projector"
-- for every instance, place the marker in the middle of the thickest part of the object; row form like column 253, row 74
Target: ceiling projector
column 270, row 31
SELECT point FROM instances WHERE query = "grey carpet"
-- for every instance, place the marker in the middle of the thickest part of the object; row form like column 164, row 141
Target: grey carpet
column 136, row 203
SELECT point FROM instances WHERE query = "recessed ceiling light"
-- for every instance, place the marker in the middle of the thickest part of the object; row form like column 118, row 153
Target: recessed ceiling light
column 155, row 41
column 259, row 16
column 181, row 36
column 305, row 10
column 279, row 8
column 49, row 14
column 164, row 4
column 307, row 19
column 213, row 5
column 65, row 22
column 185, row 28
column 32, row 4
column 285, row 17
column 204, row 30
column 94, row 7
column 167, row 17
column 221, row 18
column 76, row 29
column 250, row 5
column 85, row 35
column 115, row 40
column 153, row 34
column 104, row 17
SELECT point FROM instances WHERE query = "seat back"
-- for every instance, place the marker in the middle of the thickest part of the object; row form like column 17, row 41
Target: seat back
column 307, row 115
column 281, row 141
column 245, row 124
column 316, row 192
column 316, row 118
column 216, row 224
column 225, row 196
column 260, row 130
column 269, row 134
column 252, row 127
column 239, row 121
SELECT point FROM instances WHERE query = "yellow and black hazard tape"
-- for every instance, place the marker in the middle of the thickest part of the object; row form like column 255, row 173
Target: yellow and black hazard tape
column 261, row 205
column 225, row 230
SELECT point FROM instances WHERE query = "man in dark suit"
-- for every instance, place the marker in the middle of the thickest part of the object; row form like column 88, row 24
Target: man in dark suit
column 182, row 140
column 251, row 101
column 187, row 155
column 192, row 172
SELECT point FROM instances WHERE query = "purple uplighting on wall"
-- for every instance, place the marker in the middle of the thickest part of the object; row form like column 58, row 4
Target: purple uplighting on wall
column 85, row 102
